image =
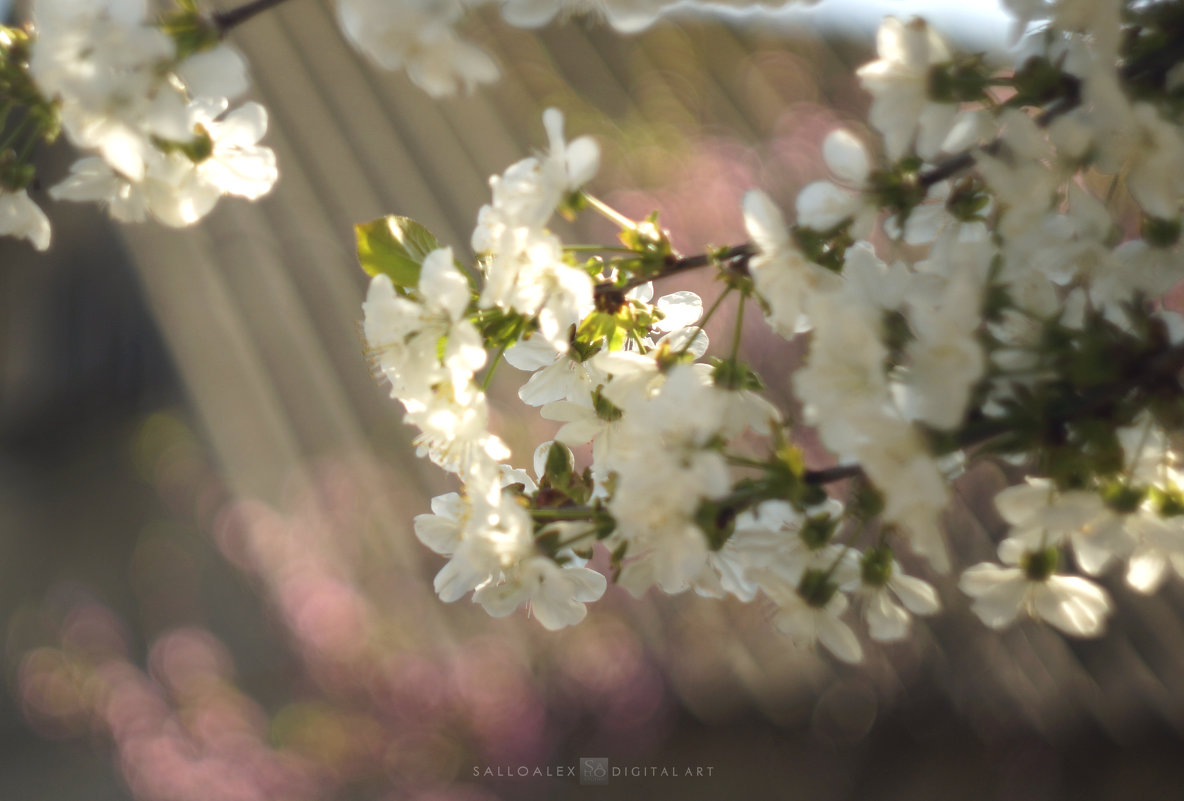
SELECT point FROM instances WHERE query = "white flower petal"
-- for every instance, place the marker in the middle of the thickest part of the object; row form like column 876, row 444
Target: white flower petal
column 918, row 596
column 847, row 157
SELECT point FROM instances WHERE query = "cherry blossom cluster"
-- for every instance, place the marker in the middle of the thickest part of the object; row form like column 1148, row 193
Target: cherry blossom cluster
column 149, row 97
column 147, row 100
column 984, row 281
column 423, row 37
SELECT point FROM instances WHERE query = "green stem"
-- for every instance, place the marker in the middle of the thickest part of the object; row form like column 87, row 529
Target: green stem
column 703, row 321
column 1167, row 362
column 609, row 212
column 744, row 461
column 27, row 148
column 568, row 513
column 559, row 546
column 738, row 331
column 684, row 264
column 9, row 105
column 12, row 137
column 596, row 249
column 493, row 367
column 835, row 564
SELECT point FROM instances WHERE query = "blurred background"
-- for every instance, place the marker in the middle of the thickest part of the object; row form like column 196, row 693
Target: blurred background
column 208, row 578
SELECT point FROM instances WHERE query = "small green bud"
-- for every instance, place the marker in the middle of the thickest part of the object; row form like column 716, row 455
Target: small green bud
column 1040, row 565
column 1160, row 233
column 899, row 189
column 717, row 521
column 572, row 205
column 816, row 588
column 1167, row 501
column 560, row 464
column 875, row 568
column 817, row 531
column 604, row 408
column 734, row 375
column 962, row 81
column 825, row 248
column 867, row 503
column 1123, row 498
column 967, row 201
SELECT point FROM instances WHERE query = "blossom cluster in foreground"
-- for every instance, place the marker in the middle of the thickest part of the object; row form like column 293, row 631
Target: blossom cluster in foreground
column 971, row 289
column 148, row 98
column 148, row 102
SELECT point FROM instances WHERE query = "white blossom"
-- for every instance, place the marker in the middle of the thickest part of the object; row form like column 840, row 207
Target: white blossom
column 21, row 217
column 783, row 276
column 890, row 597
column 822, row 205
column 899, row 84
column 1027, row 585
column 418, row 36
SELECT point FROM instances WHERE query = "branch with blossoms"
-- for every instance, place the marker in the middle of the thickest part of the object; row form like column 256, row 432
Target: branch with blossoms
column 148, row 98
column 1012, row 318
column 969, row 292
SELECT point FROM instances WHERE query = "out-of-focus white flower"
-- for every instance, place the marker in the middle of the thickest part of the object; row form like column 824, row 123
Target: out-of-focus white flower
column 1041, row 516
column 177, row 187
column 895, row 458
column 443, row 528
column 899, row 84
column 627, row 16
column 784, row 278
column 885, row 588
column 1023, row 184
column 945, row 358
column 106, row 68
column 557, row 594
column 843, row 380
column 809, row 612
column 528, row 192
column 1029, row 585
column 417, row 35
column 237, row 165
column 21, row 217
column 823, row 205
column 1158, row 545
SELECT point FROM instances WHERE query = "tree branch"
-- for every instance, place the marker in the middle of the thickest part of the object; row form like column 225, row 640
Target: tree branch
column 1166, row 363
column 737, row 254
column 224, row 21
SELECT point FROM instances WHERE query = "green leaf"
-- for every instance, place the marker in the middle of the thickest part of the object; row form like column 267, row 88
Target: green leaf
column 395, row 247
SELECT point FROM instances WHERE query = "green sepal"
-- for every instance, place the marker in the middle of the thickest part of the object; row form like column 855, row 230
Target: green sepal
column 1160, row 233
column 825, row 248
column 816, row 588
column 190, row 30
column 717, row 521
column 1040, row 565
column 733, row 374
column 875, row 568
column 962, row 81
column 501, row 328
column 1123, row 498
column 818, row 531
column 1167, row 501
